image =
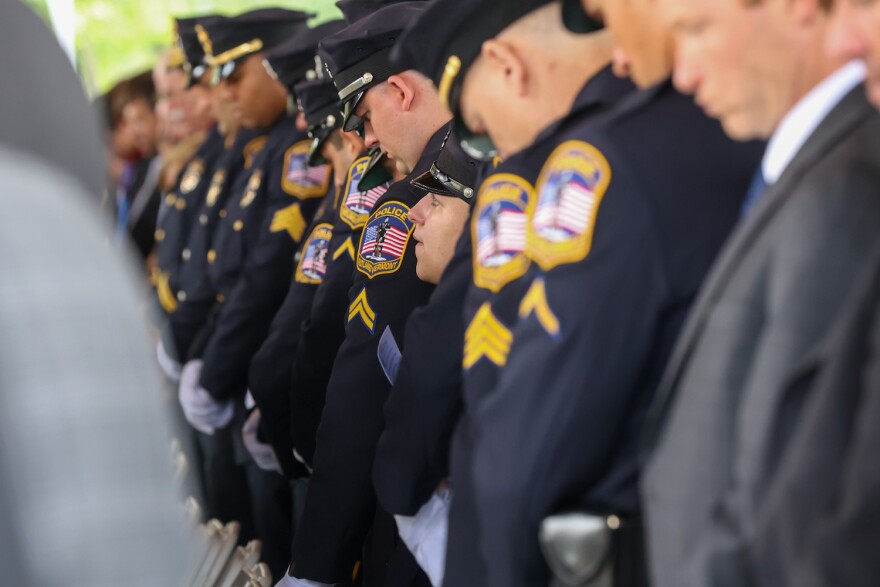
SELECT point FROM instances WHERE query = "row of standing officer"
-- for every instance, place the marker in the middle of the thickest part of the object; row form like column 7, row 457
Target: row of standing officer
column 528, row 372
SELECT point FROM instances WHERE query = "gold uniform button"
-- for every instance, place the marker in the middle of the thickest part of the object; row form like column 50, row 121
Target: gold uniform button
column 237, row 225
column 170, row 199
column 181, row 204
column 203, row 219
column 186, row 254
column 212, row 256
column 181, row 296
column 221, row 298
column 160, row 235
column 222, row 213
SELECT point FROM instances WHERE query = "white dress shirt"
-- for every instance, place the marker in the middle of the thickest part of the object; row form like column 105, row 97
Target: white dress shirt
column 802, row 120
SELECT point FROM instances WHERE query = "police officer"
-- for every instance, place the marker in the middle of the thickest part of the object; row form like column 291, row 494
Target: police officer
column 269, row 374
column 411, row 461
column 600, row 269
column 176, row 213
column 400, row 111
column 251, row 259
column 323, row 331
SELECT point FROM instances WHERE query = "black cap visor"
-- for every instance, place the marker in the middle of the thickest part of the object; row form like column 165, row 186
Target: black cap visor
column 576, row 18
column 437, row 182
column 375, row 173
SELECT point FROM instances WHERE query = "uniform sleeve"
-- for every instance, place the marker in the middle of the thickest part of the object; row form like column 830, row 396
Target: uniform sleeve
column 563, row 405
column 413, row 453
column 270, row 369
column 341, row 503
column 322, row 334
column 260, row 290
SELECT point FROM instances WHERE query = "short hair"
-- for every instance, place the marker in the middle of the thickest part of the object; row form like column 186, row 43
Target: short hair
column 138, row 87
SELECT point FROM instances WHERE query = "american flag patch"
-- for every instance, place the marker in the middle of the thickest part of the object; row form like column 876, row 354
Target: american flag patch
column 315, row 255
column 363, row 202
column 502, row 233
column 299, row 179
column 384, row 240
column 300, row 173
column 499, row 229
column 564, row 208
column 570, row 189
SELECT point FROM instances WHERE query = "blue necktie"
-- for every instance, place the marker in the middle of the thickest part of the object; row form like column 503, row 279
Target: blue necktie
column 756, row 190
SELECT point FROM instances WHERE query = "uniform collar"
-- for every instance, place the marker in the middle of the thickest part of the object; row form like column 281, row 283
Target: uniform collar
column 803, row 119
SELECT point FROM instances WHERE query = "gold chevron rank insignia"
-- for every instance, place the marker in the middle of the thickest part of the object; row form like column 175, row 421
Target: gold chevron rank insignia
column 291, row 220
column 535, row 302
column 345, row 248
column 486, row 337
column 360, row 307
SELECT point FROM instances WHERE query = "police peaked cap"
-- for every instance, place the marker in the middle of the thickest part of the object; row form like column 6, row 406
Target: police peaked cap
column 446, row 38
column 454, row 173
column 230, row 41
column 294, row 58
column 358, row 56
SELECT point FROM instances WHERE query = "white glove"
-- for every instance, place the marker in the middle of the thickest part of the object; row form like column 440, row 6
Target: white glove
column 288, row 581
column 425, row 534
column 263, row 454
column 169, row 366
column 202, row 411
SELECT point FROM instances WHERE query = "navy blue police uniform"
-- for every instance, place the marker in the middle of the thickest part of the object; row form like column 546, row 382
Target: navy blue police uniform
column 424, row 404
column 255, row 243
column 340, row 521
column 250, row 266
column 324, row 329
column 589, row 278
column 177, row 213
column 191, row 294
column 270, row 369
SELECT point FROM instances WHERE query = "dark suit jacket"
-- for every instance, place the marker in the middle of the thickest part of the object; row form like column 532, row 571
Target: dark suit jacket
column 775, row 290
column 819, row 523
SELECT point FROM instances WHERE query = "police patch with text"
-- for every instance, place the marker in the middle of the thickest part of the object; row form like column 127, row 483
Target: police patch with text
column 299, row 179
column 499, row 231
column 569, row 191
column 357, row 205
column 312, row 266
column 384, row 240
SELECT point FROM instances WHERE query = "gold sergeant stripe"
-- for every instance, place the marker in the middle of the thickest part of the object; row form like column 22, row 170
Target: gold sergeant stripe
column 240, row 51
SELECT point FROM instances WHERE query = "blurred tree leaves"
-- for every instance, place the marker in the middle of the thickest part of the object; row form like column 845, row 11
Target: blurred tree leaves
column 119, row 38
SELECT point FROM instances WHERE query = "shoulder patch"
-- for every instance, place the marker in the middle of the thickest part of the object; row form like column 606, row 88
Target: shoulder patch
column 217, row 181
column 346, row 248
column 192, row 176
column 563, row 215
column 384, row 240
column 312, row 266
column 499, row 231
column 486, row 337
column 360, row 308
column 289, row 219
column 535, row 302
column 252, row 149
column 299, row 179
column 357, row 205
column 253, row 188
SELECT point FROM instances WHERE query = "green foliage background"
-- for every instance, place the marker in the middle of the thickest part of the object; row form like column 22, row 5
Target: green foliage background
column 118, row 38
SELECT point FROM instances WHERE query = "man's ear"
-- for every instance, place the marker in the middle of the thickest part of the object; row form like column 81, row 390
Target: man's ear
column 353, row 143
column 502, row 59
column 402, row 90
